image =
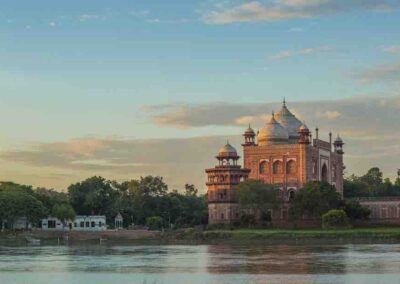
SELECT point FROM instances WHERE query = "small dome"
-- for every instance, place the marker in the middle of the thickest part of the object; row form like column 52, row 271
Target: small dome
column 288, row 120
column 303, row 127
column 338, row 140
column 227, row 151
column 272, row 132
column 249, row 132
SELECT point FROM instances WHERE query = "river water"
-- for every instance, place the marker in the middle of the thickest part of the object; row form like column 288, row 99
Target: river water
column 218, row 264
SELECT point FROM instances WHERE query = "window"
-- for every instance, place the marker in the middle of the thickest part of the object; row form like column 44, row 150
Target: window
column 100, row 224
column 51, row 224
column 291, row 195
column 291, row 167
column 277, row 167
column 222, row 216
column 93, row 224
column 82, row 224
column 87, row 224
column 75, row 224
column 263, row 167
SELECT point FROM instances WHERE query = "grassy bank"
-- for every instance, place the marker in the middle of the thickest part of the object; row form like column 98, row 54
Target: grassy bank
column 386, row 234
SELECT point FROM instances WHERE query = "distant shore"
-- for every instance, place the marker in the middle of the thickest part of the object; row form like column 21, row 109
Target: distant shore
column 217, row 236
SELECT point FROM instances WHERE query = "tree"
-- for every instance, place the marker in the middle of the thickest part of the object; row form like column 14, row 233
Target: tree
column 355, row 211
column 190, row 190
column 18, row 201
column 373, row 177
column 94, row 195
column 63, row 212
column 313, row 200
column 259, row 197
column 154, row 222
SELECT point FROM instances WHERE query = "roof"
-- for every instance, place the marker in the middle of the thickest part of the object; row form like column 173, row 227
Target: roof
column 227, row 151
column 272, row 131
column 288, row 120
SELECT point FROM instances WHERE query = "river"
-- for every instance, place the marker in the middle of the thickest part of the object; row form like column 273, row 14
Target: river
column 98, row 264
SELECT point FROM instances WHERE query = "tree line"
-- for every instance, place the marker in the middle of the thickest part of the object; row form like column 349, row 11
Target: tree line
column 146, row 201
column 372, row 184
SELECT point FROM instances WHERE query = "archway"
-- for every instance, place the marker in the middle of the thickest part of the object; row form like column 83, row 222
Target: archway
column 324, row 173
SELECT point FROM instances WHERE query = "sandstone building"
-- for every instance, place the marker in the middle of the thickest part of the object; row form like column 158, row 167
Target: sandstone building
column 282, row 153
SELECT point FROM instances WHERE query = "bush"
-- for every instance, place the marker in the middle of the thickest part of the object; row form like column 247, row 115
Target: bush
column 154, row 223
column 247, row 220
column 335, row 219
column 355, row 211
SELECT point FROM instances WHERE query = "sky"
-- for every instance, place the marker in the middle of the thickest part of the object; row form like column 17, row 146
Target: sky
column 125, row 88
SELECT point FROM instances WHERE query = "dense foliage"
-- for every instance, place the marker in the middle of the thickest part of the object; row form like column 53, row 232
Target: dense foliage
column 371, row 184
column 139, row 202
column 19, row 201
column 335, row 219
column 256, row 196
column 313, row 200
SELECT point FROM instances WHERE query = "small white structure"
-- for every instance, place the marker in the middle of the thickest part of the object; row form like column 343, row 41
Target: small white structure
column 53, row 224
column 89, row 223
column 81, row 223
column 119, row 221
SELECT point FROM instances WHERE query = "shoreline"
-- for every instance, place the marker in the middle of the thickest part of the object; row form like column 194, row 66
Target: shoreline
column 191, row 236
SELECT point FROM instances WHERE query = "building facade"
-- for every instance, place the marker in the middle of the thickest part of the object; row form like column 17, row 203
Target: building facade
column 282, row 153
column 80, row 223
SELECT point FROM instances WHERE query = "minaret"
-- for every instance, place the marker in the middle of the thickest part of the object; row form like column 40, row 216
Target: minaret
column 338, row 145
column 222, row 184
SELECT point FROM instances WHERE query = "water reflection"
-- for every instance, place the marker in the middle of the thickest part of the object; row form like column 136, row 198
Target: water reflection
column 201, row 264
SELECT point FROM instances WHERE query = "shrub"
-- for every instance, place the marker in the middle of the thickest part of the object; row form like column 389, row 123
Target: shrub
column 154, row 222
column 335, row 219
column 247, row 220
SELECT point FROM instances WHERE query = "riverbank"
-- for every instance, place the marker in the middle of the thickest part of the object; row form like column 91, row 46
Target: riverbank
column 217, row 236
column 355, row 235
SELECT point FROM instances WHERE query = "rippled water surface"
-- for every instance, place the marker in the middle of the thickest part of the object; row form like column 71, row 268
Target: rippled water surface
column 200, row 264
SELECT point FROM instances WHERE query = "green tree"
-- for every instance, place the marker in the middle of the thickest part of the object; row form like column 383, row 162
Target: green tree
column 63, row 212
column 18, row 201
column 374, row 177
column 313, row 200
column 94, row 195
column 260, row 198
column 154, row 222
column 355, row 211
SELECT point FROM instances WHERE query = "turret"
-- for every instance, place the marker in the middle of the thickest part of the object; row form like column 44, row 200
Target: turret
column 249, row 137
column 304, row 134
column 338, row 145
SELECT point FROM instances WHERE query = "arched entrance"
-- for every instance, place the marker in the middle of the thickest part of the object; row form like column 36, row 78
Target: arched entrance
column 324, row 173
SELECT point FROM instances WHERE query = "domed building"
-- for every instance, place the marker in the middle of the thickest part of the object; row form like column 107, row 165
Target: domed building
column 282, row 153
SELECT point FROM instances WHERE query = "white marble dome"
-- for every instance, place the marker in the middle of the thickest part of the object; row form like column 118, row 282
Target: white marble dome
column 288, row 121
column 272, row 132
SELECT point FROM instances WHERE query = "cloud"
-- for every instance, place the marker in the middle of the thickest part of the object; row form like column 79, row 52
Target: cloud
column 301, row 52
column 368, row 125
column 179, row 161
column 382, row 72
column 89, row 17
column 331, row 115
column 52, row 24
column 377, row 115
column 256, row 11
column 140, row 13
column 394, row 49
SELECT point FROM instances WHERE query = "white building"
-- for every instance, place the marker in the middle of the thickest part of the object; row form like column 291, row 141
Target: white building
column 81, row 223
column 89, row 223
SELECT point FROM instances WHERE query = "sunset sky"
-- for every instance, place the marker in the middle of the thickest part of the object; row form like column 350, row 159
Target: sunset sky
column 129, row 88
